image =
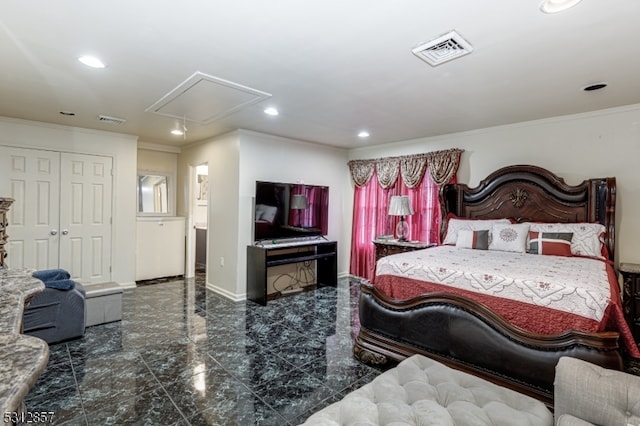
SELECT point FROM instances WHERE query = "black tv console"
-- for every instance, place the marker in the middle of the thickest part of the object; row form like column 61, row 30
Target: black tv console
column 261, row 257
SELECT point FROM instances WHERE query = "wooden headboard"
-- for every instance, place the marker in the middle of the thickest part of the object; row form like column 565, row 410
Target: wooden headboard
column 533, row 194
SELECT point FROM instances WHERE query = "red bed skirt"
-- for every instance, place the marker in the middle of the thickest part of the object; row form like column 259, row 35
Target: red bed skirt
column 531, row 318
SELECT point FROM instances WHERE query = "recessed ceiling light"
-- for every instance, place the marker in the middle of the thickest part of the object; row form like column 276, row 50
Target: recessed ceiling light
column 555, row 6
column 271, row 111
column 363, row 134
column 91, row 61
column 596, row 86
column 177, row 132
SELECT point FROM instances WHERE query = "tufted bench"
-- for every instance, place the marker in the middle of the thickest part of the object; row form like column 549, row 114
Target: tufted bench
column 421, row 391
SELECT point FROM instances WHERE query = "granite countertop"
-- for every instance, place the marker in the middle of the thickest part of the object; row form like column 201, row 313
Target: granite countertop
column 22, row 358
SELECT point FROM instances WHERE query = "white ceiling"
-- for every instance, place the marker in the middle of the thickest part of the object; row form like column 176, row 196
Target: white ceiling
column 333, row 67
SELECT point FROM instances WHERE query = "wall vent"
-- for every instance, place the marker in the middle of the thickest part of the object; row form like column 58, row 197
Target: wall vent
column 111, row 120
column 443, row 49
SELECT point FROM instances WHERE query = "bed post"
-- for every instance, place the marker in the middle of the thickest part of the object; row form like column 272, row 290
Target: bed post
column 603, row 192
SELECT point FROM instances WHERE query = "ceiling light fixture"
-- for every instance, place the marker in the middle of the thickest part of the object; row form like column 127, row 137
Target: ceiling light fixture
column 555, row 6
column 181, row 131
column 363, row 134
column 271, row 111
column 91, row 61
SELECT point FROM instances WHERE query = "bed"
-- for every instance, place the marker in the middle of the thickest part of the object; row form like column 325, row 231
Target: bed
column 418, row 309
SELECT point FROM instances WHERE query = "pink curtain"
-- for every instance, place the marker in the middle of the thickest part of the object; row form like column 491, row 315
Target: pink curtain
column 370, row 219
column 376, row 181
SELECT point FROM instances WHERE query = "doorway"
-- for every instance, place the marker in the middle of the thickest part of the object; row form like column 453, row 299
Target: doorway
column 200, row 215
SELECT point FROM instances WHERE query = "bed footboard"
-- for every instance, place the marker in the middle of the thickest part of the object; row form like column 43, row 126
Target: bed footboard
column 468, row 336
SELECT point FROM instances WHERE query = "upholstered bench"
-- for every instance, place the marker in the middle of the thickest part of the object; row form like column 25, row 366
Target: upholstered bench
column 421, row 391
column 104, row 303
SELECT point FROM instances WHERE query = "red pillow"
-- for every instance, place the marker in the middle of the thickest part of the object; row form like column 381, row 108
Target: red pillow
column 550, row 243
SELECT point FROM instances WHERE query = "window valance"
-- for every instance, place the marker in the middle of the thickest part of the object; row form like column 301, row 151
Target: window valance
column 442, row 166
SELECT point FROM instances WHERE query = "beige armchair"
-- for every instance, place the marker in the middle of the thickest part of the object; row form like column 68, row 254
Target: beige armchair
column 585, row 394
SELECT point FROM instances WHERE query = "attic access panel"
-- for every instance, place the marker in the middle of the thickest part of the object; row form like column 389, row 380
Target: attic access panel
column 203, row 98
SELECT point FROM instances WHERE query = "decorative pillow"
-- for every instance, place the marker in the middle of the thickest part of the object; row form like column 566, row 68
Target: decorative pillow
column 259, row 211
column 454, row 225
column 473, row 239
column 550, row 243
column 587, row 237
column 509, row 237
column 269, row 213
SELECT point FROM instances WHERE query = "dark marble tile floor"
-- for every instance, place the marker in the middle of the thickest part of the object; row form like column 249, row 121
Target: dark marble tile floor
column 183, row 355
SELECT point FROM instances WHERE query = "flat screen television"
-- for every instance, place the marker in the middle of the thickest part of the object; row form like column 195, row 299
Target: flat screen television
column 290, row 210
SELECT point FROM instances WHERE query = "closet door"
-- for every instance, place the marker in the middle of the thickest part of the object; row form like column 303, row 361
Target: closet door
column 32, row 178
column 85, row 217
column 61, row 216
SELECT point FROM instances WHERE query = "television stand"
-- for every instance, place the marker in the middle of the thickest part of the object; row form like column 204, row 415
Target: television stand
column 260, row 258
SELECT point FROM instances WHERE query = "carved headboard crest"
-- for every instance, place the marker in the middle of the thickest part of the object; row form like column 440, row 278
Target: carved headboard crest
column 518, row 196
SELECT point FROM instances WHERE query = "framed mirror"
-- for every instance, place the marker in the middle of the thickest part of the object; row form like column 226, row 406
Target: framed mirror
column 153, row 194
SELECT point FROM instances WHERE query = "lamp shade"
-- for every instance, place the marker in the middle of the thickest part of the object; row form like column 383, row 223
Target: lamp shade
column 400, row 206
column 299, row 202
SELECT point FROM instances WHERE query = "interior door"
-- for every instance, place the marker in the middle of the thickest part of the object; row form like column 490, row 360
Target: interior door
column 85, row 216
column 32, row 178
column 61, row 216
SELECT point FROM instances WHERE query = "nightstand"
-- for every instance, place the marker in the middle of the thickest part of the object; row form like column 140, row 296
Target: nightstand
column 387, row 247
column 631, row 297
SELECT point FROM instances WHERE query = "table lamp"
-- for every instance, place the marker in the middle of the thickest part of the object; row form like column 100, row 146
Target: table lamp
column 400, row 206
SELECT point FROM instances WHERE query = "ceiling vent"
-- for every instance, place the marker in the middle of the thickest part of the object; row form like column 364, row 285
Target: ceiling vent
column 443, row 49
column 111, row 120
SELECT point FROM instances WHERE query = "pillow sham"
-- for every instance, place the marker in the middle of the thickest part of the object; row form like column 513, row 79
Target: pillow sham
column 456, row 224
column 269, row 213
column 473, row 239
column 550, row 243
column 259, row 211
column 509, row 237
column 587, row 237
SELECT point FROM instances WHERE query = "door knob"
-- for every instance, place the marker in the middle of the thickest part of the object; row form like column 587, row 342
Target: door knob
column 65, row 231
column 53, row 232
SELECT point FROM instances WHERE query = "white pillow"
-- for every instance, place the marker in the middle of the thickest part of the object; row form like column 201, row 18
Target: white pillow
column 269, row 213
column 587, row 237
column 509, row 237
column 259, row 211
column 454, row 225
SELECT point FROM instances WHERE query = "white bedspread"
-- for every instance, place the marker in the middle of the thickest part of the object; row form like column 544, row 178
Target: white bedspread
column 571, row 284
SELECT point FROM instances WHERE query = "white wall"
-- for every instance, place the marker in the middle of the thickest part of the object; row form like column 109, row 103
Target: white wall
column 222, row 156
column 236, row 161
column 122, row 148
column 275, row 159
column 156, row 158
column 577, row 147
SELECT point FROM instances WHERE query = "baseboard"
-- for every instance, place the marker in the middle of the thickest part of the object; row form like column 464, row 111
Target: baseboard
column 226, row 293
